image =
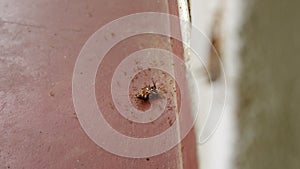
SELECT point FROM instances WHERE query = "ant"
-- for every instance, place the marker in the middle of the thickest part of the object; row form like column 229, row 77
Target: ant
column 147, row 92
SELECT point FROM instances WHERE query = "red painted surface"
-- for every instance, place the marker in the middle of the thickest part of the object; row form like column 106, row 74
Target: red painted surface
column 39, row 44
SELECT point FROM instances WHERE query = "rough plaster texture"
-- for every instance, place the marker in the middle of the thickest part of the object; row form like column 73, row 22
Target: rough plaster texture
column 269, row 87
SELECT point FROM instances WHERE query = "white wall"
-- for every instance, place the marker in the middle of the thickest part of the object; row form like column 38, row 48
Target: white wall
column 217, row 152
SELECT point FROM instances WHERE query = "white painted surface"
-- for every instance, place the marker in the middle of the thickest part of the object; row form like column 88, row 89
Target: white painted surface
column 218, row 151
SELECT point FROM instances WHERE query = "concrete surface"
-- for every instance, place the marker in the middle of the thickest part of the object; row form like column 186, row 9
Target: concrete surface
column 269, row 87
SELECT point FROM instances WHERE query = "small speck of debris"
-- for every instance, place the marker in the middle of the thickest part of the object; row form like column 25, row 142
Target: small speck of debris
column 112, row 34
column 170, row 122
column 51, row 93
column 41, row 132
column 182, row 148
column 147, row 159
